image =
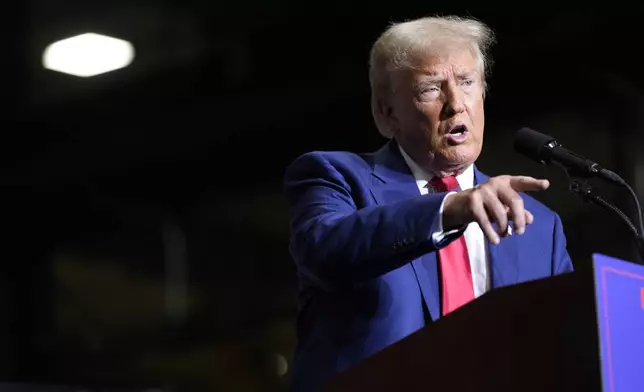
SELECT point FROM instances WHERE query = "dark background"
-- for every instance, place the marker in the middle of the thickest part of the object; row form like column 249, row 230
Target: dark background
column 146, row 232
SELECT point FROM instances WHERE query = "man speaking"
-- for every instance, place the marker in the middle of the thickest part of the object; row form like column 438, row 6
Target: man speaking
column 388, row 242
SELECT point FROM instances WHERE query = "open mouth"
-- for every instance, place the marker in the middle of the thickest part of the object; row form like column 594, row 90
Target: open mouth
column 457, row 135
column 458, row 130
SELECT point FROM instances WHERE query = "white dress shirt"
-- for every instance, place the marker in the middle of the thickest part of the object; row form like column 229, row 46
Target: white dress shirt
column 474, row 237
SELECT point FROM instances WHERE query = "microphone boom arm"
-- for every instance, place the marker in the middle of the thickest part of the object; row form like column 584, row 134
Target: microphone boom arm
column 584, row 191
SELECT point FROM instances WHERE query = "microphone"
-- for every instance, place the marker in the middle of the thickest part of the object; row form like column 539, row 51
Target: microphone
column 545, row 150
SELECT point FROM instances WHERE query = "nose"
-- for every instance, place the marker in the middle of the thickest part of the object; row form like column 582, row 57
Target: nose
column 453, row 101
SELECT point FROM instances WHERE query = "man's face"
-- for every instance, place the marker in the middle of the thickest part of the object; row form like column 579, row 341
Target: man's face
column 436, row 110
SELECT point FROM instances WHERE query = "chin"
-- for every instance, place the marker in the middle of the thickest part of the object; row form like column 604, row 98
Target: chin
column 460, row 157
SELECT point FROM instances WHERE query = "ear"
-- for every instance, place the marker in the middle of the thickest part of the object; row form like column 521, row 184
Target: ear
column 388, row 114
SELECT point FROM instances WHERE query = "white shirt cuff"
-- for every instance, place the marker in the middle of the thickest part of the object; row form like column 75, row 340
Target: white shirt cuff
column 440, row 235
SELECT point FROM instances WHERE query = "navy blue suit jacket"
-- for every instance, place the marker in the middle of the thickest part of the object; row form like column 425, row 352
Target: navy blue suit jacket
column 368, row 274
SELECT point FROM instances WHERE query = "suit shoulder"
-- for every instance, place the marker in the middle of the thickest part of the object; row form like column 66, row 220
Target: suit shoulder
column 340, row 160
column 536, row 207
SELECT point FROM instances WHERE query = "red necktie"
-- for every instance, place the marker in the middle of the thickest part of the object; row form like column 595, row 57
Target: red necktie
column 456, row 273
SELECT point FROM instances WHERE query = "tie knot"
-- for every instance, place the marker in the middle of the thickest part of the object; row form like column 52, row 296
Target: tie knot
column 444, row 184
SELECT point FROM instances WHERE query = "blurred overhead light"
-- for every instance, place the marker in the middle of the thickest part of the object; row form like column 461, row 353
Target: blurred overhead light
column 281, row 365
column 88, row 55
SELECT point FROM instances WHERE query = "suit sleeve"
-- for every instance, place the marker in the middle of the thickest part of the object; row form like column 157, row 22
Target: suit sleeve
column 335, row 244
column 560, row 258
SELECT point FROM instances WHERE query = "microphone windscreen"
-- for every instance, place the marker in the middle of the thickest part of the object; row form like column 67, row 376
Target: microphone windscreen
column 531, row 143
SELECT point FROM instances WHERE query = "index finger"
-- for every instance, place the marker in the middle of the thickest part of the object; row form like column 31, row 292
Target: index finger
column 528, row 184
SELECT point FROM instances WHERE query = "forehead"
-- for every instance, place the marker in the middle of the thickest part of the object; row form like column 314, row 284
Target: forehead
column 445, row 63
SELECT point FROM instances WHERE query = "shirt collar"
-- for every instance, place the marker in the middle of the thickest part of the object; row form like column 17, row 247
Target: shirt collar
column 465, row 179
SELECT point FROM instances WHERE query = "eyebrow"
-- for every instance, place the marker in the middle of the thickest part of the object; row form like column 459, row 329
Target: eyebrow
column 467, row 75
column 433, row 79
column 439, row 78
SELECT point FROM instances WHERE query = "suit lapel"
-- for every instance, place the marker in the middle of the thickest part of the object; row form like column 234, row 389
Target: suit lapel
column 392, row 182
column 503, row 258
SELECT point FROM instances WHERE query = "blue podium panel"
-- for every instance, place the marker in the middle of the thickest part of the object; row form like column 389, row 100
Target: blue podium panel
column 619, row 288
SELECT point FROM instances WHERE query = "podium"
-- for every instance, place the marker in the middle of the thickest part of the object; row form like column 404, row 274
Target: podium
column 582, row 331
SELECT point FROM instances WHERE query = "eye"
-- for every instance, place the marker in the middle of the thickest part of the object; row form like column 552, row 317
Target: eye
column 467, row 82
column 429, row 91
